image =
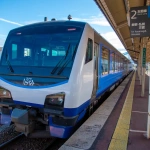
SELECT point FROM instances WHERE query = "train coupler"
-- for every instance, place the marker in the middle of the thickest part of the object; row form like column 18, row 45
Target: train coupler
column 20, row 117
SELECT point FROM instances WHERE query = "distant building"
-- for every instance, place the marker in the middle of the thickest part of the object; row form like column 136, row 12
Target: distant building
column 0, row 51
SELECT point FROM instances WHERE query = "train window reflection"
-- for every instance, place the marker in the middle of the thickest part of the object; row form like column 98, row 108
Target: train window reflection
column 112, row 69
column 89, row 51
column 27, row 52
column 116, row 63
column 105, row 61
column 14, row 51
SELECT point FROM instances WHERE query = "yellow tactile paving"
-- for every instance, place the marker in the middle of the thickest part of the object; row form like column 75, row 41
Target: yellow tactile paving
column 128, row 107
column 120, row 137
column 117, row 145
column 120, row 134
column 122, row 125
column 127, row 102
column 130, row 96
column 126, row 113
column 124, row 120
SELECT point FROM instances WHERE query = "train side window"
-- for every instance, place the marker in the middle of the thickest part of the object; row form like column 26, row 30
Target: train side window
column 122, row 67
column 105, row 61
column 116, row 63
column 120, row 63
column 89, row 51
column 113, row 62
column 125, row 65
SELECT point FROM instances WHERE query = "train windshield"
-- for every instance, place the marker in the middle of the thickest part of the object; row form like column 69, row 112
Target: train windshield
column 49, row 47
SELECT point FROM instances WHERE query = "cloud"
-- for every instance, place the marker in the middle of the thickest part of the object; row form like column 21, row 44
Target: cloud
column 30, row 22
column 122, row 50
column 114, row 40
column 2, row 42
column 93, row 20
column 8, row 21
column 2, row 39
column 2, row 35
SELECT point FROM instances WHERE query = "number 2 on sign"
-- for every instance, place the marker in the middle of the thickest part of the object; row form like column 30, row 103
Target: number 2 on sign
column 133, row 17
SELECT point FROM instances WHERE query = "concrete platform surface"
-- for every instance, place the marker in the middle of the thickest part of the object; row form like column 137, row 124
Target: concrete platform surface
column 85, row 137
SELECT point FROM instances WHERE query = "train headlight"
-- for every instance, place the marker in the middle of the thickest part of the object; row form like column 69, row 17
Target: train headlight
column 4, row 93
column 55, row 99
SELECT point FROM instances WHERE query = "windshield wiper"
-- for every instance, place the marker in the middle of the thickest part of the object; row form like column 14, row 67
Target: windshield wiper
column 9, row 65
column 67, row 62
column 60, row 62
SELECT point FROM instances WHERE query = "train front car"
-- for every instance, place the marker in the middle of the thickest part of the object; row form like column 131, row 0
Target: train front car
column 35, row 85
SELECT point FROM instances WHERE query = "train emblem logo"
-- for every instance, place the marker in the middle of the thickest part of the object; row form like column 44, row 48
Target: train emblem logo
column 28, row 81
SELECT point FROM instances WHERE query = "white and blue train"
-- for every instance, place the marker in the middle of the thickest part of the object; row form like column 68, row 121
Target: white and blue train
column 52, row 73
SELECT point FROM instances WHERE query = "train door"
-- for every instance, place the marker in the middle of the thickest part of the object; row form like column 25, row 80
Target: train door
column 95, row 82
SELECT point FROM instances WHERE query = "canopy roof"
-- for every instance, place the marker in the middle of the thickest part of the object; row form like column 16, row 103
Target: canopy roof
column 117, row 13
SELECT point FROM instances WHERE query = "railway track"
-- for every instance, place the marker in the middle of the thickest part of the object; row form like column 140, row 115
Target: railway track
column 12, row 140
column 3, row 145
column 6, row 133
column 3, row 127
column 24, row 143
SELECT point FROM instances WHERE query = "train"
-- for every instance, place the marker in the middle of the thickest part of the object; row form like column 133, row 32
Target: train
column 53, row 73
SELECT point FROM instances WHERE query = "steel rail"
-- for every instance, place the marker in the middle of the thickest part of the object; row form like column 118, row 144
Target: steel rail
column 11, row 140
column 48, row 146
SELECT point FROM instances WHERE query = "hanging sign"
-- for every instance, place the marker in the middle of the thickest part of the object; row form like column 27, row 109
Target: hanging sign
column 144, row 58
column 140, row 21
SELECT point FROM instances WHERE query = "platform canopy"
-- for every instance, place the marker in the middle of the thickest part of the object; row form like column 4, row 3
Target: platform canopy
column 117, row 13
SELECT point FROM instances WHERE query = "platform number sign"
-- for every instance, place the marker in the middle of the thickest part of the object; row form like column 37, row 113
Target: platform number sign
column 140, row 21
column 144, row 58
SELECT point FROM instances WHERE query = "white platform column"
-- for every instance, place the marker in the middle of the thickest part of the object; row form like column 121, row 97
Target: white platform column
column 148, row 119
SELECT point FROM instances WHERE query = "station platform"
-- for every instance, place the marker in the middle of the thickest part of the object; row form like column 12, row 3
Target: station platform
column 120, row 123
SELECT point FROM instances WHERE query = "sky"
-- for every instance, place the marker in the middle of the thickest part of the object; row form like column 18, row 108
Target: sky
column 16, row 13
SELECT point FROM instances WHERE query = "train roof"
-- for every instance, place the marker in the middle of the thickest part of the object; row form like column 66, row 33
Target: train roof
column 55, row 23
